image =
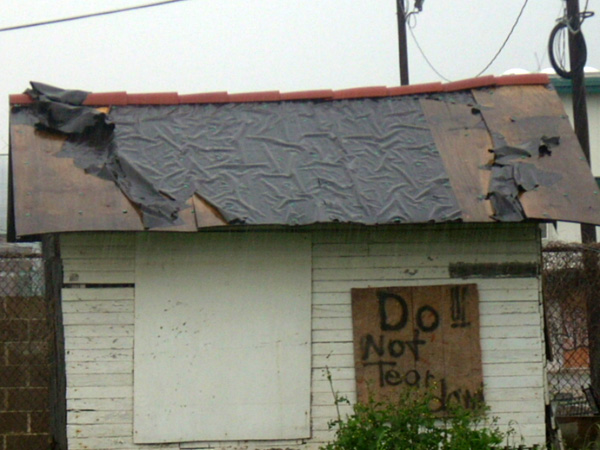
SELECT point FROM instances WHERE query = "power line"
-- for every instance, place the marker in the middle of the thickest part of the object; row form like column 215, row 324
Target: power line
column 425, row 56
column 505, row 40
column 87, row 16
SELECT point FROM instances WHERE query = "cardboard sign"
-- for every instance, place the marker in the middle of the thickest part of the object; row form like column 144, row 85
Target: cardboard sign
column 424, row 337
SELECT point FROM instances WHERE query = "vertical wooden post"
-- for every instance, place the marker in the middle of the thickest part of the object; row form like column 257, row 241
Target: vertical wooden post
column 58, row 386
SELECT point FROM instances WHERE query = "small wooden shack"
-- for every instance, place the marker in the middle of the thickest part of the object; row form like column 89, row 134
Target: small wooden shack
column 217, row 255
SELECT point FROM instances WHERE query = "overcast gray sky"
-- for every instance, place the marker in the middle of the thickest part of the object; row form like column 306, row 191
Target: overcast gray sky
column 250, row 45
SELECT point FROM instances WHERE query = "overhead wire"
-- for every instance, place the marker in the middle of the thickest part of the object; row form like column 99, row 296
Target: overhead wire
column 431, row 66
column 87, row 16
column 437, row 72
column 505, row 40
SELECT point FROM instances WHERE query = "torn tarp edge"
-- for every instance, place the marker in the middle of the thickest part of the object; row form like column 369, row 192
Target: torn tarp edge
column 511, row 175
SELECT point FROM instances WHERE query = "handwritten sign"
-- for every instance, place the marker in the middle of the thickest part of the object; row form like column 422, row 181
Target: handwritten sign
column 425, row 337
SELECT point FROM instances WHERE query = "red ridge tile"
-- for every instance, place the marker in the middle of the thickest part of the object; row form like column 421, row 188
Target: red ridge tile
column 264, row 96
column 19, row 99
column 308, row 95
column 208, row 97
column 470, row 83
column 106, row 99
column 172, row 98
column 528, row 78
column 372, row 91
column 153, row 98
column 425, row 88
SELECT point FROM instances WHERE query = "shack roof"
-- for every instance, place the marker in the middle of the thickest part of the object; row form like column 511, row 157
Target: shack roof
column 479, row 150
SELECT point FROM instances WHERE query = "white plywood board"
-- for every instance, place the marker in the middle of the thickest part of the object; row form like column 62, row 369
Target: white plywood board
column 222, row 337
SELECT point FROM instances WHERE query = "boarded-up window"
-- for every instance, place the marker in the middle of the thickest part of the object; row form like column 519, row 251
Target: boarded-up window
column 424, row 337
column 222, row 337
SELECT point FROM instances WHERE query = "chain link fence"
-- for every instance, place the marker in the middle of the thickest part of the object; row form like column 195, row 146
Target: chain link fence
column 25, row 344
column 564, row 292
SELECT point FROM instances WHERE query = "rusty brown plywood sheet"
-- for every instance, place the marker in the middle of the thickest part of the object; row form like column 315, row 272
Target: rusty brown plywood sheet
column 426, row 337
column 521, row 114
column 93, row 203
column 463, row 141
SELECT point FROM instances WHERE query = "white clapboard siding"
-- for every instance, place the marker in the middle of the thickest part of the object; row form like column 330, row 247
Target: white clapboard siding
column 98, row 258
column 99, row 362
column 99, row 417
column 99, row 325
column 511, row 337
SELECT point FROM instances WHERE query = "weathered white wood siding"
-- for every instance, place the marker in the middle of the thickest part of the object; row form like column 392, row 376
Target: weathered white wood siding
column 99, row 323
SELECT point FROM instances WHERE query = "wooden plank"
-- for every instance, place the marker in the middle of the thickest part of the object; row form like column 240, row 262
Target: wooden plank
column 98, row 306
column 86, row 330
column 330, row 411
column 100, row 392
column 463, row 232
column 462, row 141
column 100, row 240
column 336, row 373
column 509, row 307
column 332, row 323
column 343, row 286
column 104, row 379
column 510, row 406
column 426, row 337
column 422, row 233
column 337, row 348
column 323, row 386
column 99, row 343
column 523, row 114
column 522, row 381
column 340, row 249
column 512, row 356
column 113, row 443
column 95, row 355
column 442, row 247
column 206, row 214
column 100, row 404
column 332, row 298
column 90, row 252
column 414, row 259
column 99, row 417
column 53, row 195
column 513, row 369
column 395, row 273
column 104, row 293
column 323, row 311
column 344, row 335
column 99, row 263
column 533, row 344
column 98, row 367
column 494, row 332
column 332, row 360
column 98, row 319
column 99, row 277
column 324, row 399
column 499, row 320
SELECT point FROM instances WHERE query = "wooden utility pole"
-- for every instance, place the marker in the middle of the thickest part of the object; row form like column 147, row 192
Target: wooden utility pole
column 588, row 231
column 402, row 49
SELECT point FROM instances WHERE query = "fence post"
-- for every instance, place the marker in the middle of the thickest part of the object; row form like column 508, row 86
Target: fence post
column 58, row 387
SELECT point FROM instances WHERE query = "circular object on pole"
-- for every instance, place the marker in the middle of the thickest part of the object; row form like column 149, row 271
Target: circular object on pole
column 557, row 49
